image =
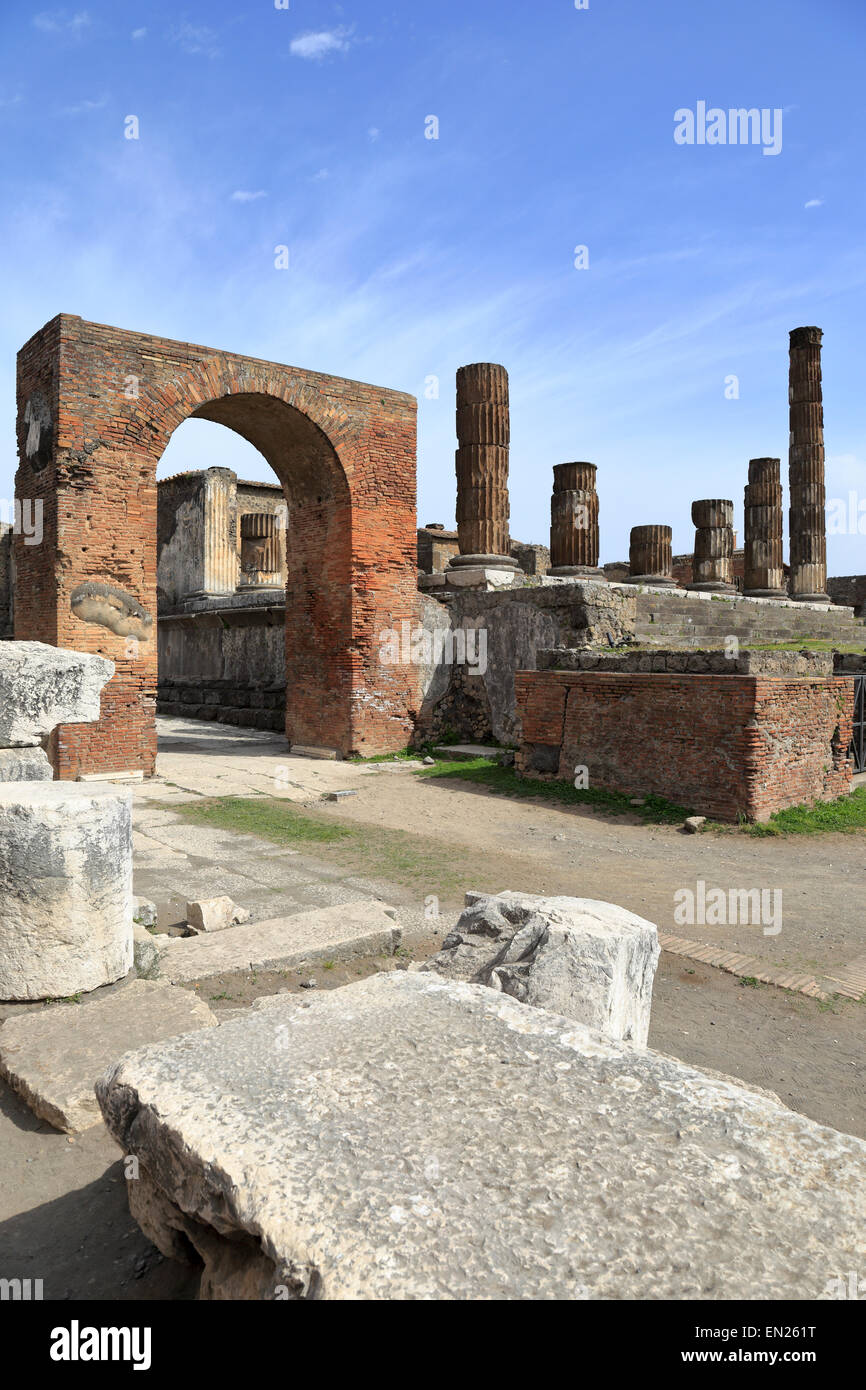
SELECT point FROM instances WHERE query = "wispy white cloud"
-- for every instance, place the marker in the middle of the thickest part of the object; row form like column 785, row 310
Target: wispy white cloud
column 243, row 195
column 80, row 108
column 317, row 45
column 60, row 22
column 814, row 203
column 196, row 38
column 373, row 134
column 139, row 33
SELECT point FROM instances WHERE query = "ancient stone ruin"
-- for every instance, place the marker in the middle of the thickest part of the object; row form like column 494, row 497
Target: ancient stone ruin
column 574, row 534
column 484, row 433
column 764, row 572
column 807, row 523
column 487, row 1120
column 650, row 556
column 476, row 1167
column 65, row 850
column 714, row 546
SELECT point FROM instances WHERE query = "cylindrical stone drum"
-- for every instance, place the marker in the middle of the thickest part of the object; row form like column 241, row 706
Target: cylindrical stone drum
column 807, row 525
column 483, row 433
column 763, row 571
column 714, row 545
column 65, row 888
column 574, row 535
column 650, row 558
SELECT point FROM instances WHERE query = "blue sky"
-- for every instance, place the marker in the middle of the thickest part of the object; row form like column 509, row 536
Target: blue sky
column 305, row 127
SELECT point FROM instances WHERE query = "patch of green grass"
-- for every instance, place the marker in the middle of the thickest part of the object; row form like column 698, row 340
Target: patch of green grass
column 273, row 820
column 808, row 644
column 408, row 753
column 847, row 813
column 749, row 982
column 392, row 856
column 483, row 772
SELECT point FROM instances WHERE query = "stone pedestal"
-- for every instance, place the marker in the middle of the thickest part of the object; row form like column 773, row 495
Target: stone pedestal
column 764, row 575
column 65, row 888
column 650, row 556
column 714, row 546
column 807, row 527
column 574, row 536
column 483, row 433
column 482, row 572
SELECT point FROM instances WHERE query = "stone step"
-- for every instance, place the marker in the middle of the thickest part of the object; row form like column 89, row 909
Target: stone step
column 53, row 1058
column 283, row 943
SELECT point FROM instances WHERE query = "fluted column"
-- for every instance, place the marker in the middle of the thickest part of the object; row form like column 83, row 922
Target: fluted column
column 807, row 526
column 574, row 521
column 650, row 556
column 764, row 574
column 712, row 571
column 261, row 558
column 483, row 434
column 219, row 555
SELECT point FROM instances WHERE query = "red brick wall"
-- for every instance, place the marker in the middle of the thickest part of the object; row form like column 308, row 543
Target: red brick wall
column 345, row 455
column 723, row 746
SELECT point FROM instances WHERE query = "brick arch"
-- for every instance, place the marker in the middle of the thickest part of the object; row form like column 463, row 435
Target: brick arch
column 106, row 404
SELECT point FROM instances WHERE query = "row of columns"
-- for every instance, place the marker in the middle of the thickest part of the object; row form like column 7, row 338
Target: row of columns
column 483, row 433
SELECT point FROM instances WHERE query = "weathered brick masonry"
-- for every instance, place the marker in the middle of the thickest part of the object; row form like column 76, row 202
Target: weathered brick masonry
column 96, row 408
column 725, row 746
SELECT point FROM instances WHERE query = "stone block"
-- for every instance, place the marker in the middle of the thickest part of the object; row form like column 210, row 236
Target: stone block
column 215, row 914
column 147, row 952
column 25, row 765
column 54, row 1057
column 284, row 943
column 590, row 961
column 144, row 912
column 43, row 686
column 65, row 888
column 406, row 1137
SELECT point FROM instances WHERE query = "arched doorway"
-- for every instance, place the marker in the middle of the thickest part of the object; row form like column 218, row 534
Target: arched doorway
column 108, row 402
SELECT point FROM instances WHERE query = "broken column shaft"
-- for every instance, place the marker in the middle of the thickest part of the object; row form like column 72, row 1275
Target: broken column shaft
column 650, row 558
column 483, row 433
column 574, row 521
column 764, row 575
column 714, row 546
column 807, row 523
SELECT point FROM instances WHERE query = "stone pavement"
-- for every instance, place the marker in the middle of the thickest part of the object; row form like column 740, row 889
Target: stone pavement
column 176, row 862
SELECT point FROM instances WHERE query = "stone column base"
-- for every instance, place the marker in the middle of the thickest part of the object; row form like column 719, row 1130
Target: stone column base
column 500, row 562
column 809, row 598
column 486, row 576
column 711, row 587
column 658, row 581
column 579, row 572
column 765, row 593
